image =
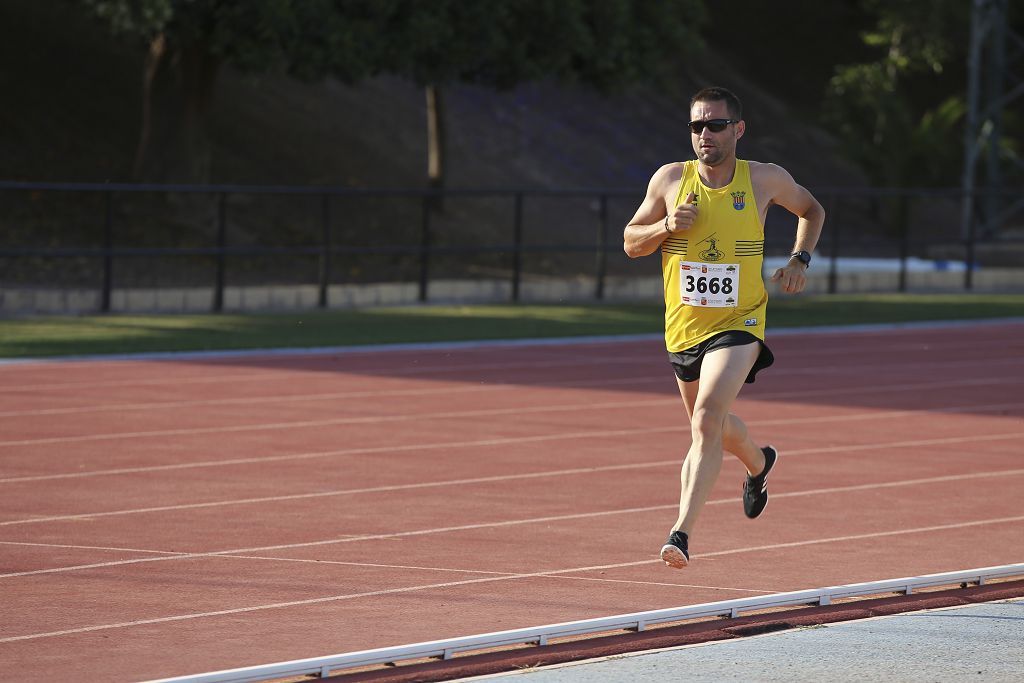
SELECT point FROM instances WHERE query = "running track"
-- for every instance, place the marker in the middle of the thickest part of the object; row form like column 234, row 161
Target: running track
column 164, row 517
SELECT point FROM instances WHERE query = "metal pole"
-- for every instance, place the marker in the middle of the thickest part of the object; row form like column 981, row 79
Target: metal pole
column 903, row 216
column 971, row 132
column 516, row 247
column 108, row 256
column 969, row 257
column 995, row 78
column 222, row 240
column 425, row 247
column 834, row 231
column 325, row 250
column 602, row 247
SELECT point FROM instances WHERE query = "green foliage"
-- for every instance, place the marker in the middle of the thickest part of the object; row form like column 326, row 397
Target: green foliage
column 898, row 115
column 600, row 43
column 139, row 17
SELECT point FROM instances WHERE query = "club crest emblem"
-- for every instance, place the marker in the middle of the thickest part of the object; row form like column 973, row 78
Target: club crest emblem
column 738, row 200
column 712, row 253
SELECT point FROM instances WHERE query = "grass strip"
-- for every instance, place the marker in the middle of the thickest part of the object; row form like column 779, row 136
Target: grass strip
column 45, row 336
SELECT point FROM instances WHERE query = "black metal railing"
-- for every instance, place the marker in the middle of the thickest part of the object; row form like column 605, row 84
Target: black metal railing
column 847, row 208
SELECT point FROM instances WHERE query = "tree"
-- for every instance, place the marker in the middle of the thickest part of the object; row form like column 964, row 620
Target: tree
column 188, row 41
column 499, row 44
column 897, row 114
column 604, row 44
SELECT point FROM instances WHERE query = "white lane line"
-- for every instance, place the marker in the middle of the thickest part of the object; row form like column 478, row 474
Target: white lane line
column 478, row 443
column 340, row 395
column 381, row 419
column 491, row 579
column 378, row 565
column 349, row 492
column 251, row 400
column 861, row 537
column 69, row 546
column 484, row 571
column 662, row 378
column 290, row 374
column 367, row 419
column 660, row 583
column 507, row 523
column 287, row 373
column 366, row 450
column 891, row 332
column 372, row 489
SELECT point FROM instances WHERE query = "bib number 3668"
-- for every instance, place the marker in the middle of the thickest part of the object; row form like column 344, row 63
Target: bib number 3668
column 709, row 284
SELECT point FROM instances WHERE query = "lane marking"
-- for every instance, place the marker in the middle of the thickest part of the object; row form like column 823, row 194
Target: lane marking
column 887, row 331
column 340, row 395
column 487, row 579
column 662, row 378
column 516, row 522
column 416, row 485
column 367, row 419
column 480, row 443
column 487, row 412
column 287, row 373
column 484, row 571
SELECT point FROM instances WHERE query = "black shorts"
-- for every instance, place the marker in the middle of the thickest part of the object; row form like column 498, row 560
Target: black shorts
column 687, row 362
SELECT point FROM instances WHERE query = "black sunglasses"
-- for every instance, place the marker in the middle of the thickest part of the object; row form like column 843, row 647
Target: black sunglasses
column 714, row 125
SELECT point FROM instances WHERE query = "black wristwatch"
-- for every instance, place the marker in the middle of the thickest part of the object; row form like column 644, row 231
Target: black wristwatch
column 803, row 257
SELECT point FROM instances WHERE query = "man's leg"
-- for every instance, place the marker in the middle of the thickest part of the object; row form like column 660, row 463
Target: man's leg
column 735, row 439
column 723, row 373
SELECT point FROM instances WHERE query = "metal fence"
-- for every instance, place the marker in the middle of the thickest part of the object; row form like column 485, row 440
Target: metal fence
column 108, row 236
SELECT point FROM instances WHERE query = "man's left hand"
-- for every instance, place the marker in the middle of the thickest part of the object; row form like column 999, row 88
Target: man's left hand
column 791, row 277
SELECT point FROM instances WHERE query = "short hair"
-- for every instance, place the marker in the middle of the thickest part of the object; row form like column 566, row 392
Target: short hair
column 719, row 94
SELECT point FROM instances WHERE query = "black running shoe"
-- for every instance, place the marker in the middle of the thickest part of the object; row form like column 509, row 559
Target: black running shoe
column 676, row 552
column 755, row 489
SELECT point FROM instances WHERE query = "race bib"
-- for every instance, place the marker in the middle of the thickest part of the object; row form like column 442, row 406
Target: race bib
column 709, row 284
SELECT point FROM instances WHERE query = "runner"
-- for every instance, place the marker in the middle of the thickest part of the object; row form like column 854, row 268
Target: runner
column 707, row 218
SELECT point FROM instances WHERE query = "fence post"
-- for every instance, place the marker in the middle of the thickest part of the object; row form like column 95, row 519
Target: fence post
column 222, row 240
column 425, row 247
column 833, row 250
column 517, row 246
column 602, row 246
column 108, row 256
column 904, row 216
column 325, row 250
column 969, row 256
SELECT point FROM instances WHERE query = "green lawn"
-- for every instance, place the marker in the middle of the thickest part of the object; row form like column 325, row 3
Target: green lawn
column 57, row 336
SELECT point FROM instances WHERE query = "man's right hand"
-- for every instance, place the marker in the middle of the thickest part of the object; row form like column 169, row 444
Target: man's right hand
column 684, row 216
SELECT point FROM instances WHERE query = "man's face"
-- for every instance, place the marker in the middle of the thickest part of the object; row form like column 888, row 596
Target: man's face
column 714, row 148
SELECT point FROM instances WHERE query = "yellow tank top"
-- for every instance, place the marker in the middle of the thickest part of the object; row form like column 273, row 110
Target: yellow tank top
column 712, row 271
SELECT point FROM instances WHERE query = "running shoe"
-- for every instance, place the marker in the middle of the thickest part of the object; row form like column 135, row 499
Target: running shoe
column 676, row 552
column 755, row 489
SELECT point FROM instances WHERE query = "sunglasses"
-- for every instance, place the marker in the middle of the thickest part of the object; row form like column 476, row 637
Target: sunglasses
column 714, row 125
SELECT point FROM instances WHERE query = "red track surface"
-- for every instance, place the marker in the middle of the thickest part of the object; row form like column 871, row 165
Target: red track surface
column 159, row 518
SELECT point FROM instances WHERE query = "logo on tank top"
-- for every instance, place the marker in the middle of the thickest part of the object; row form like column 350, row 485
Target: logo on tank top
column 738, row 200
column 712, row 253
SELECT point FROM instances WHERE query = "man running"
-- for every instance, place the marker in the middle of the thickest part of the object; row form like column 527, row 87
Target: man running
column 707, row 218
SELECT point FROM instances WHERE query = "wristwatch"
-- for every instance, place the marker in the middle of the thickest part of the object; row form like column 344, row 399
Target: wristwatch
column 803, row 257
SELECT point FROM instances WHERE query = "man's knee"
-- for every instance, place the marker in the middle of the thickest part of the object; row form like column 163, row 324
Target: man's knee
column 708, row 423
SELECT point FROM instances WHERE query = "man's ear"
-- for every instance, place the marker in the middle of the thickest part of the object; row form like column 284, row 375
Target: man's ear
column 741, row 128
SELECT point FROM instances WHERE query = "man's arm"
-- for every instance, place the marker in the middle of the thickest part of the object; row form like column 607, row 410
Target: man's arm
column 647, row 229
column 795, row 198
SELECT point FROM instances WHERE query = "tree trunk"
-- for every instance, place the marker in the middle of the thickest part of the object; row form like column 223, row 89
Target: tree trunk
column 155, row 55
column 198, row 76
column 174, row 144
column 435, row 144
